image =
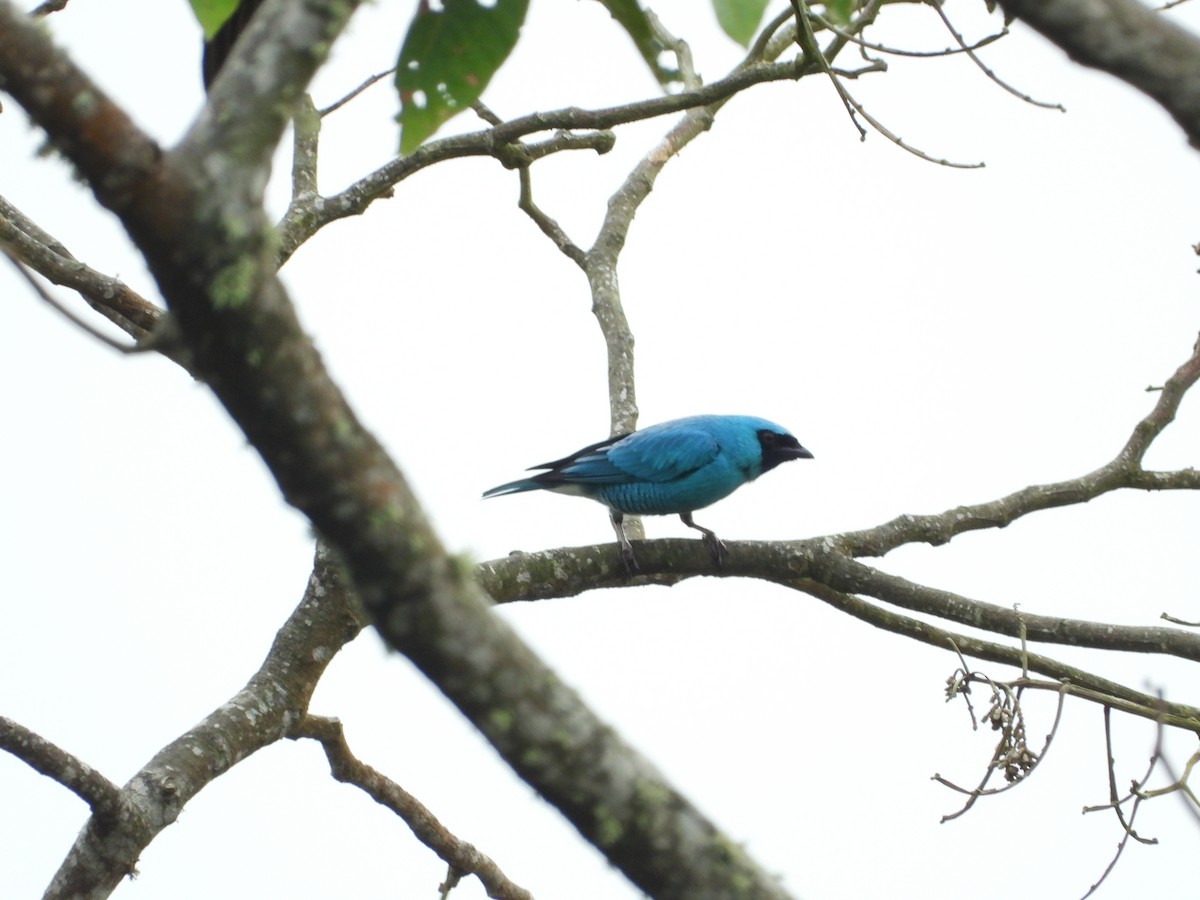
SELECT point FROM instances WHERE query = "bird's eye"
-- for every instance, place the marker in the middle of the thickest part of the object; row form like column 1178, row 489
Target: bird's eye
column 772, row 440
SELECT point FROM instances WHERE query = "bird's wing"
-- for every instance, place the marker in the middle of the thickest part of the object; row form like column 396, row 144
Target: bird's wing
column 664, row 454
column 590, row 465
column 655, row 455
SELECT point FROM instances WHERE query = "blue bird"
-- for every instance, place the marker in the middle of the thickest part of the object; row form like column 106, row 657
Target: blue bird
column 673, row 468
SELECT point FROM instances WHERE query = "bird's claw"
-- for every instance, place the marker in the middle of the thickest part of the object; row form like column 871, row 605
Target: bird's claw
column 628, row 559
column 716, row 548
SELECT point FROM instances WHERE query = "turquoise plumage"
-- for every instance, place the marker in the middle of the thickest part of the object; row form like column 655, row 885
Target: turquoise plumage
column 673, row 468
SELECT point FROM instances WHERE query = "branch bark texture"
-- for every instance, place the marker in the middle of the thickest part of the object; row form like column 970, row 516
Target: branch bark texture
column 1142, row 47
column 272, row 703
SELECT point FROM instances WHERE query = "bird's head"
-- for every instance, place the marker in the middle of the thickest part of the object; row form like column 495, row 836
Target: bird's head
column 779, row 446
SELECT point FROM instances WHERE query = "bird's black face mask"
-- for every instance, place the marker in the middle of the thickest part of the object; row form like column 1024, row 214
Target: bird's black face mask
column 778, row 448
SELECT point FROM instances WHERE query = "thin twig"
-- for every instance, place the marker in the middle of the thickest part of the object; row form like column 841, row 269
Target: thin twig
column 842, row 573
column 970, row 51
column 1072, row 680
column 1128, row 39
column 682, row 50
column 853, row 107
column 43, row 253
column 1174, row 621
column 522, row 154
column 1115, row 803
column 76, row 320
column 546, row 223
column 1123, row 471
column 94, row 789
column 959, row 685
column 1164, row 411
column 899, row 51
column 1012, row 755
column 338, row 104
column 484, row 112
column 1180, row 783
column 462, row 857
column 758, row 50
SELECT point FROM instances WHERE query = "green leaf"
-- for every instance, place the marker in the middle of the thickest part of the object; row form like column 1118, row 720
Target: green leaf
column 633, row 19
column 449, row 56
column 212, row 14
column 740, row 18
column 839, row 11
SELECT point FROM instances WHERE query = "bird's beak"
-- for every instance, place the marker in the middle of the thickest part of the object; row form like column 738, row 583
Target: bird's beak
column 774, row 455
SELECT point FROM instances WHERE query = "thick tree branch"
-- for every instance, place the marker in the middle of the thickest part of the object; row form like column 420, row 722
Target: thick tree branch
column 813, row 567
column 196, row 215
column 826, row 567
column 570, row 571
column 262, row 712
column 1129, row 40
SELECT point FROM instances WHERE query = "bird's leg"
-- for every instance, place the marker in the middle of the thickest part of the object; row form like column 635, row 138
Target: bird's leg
column 627, row 557
column 716, row 546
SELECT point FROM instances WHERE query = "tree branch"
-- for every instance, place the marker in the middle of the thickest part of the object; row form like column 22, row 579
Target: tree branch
column 570, row 571
column 1124, row 38
column 969, row 49
column 850, row 576
column 262, row 712
column 109, row 296
column 826, row 567
column 196, row 215
column 302, row 221
column 812, row 568
column 463, row 858
column 71, row 772
column 1124, row 471
column 62, row 310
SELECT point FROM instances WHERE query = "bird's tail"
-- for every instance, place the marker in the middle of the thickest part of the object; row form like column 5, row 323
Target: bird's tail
column 513, row 487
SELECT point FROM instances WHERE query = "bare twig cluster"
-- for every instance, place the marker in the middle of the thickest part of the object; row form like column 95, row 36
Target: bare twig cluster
column 1012, row 758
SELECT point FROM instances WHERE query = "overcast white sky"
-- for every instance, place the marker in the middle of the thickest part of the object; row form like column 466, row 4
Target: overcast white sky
column 934, row 336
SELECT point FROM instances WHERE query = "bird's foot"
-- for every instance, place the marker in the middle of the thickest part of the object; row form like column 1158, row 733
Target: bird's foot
column 628, row 559
column 716, row 548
